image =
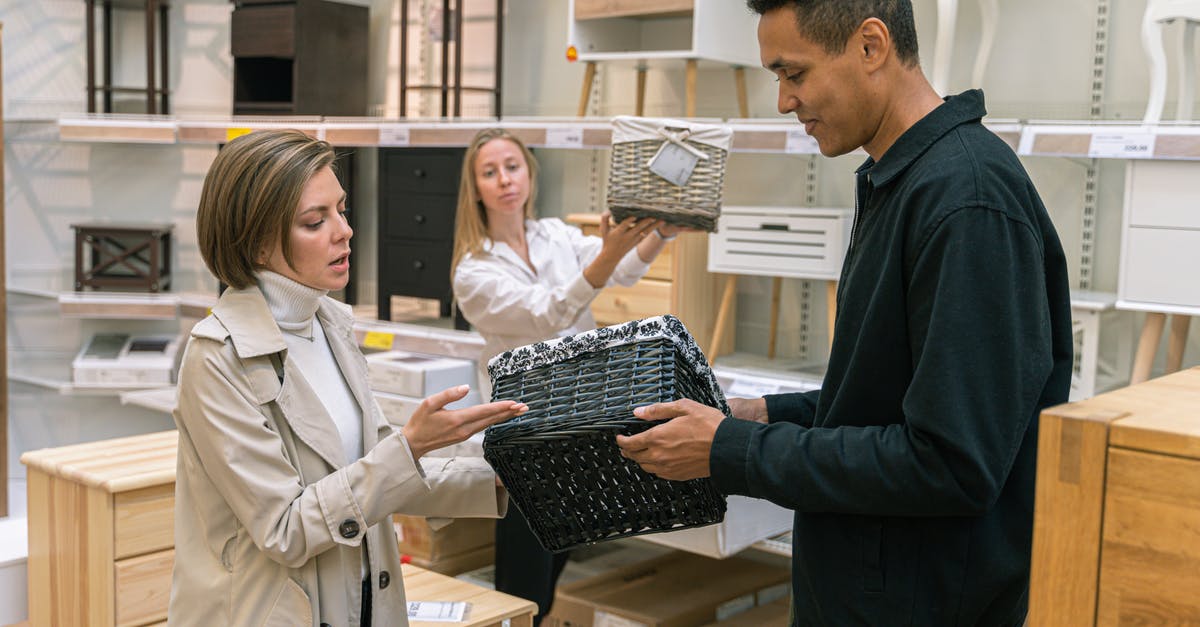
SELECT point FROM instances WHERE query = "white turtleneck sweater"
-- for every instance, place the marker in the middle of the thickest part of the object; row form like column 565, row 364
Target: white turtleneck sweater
column 294, row 307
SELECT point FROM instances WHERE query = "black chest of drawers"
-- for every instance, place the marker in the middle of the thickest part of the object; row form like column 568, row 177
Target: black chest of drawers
column 418, row 190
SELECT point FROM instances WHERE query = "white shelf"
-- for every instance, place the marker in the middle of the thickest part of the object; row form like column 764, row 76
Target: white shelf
column 53, row 371
column 157, row 399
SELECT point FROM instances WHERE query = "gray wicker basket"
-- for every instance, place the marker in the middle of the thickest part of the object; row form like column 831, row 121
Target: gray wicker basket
column 635, row 190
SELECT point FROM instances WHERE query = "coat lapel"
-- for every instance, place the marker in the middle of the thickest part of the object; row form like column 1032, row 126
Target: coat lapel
column 340, row 334
column 307, row 416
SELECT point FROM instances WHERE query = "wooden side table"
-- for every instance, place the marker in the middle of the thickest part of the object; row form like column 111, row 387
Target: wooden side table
column 126, row 256
column 488, row 607
column 102, row 531
column 156, row 83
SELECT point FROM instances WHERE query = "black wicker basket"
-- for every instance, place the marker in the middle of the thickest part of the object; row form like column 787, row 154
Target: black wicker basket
column 560, row 461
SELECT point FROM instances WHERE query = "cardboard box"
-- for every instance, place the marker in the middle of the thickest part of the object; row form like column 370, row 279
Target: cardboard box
column 421, row 541
column 417, row 375
column 676, row 590
column 118, row 359
column 398, row 408
column 453, row 565
column 747, row 520
column 773, row 614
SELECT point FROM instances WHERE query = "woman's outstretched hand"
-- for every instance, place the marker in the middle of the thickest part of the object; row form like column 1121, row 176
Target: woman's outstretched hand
column 432, row 426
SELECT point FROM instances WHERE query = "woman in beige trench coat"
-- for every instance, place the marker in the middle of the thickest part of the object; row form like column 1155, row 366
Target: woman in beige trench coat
column 288, row 473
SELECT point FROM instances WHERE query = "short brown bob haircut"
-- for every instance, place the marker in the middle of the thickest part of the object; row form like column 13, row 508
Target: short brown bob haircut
column 250, row 197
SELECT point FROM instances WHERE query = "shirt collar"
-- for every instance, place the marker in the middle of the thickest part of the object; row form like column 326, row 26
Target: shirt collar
column 534, row 231
column 955, row 111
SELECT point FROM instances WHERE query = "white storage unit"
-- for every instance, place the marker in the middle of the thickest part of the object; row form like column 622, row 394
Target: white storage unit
column 1160, row 238
column 789, row 242
column 747, row 521
column 633, row 30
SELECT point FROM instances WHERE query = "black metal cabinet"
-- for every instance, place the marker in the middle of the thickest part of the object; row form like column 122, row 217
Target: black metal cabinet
column 418, row 191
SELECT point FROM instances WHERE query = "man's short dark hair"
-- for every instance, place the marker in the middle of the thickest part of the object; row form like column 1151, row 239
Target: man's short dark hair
column 829, row 23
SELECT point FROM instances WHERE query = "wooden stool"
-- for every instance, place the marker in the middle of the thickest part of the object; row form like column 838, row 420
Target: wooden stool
column 126, row 256
column 154, row 88
column 739, row 77
column 488, row 607
column 1086, row 309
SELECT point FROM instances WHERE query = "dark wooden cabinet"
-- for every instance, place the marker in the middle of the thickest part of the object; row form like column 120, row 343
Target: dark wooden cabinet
column 418, row 191
column 304, row 57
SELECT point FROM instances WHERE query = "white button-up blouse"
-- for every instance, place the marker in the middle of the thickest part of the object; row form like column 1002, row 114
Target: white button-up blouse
column 511, row 305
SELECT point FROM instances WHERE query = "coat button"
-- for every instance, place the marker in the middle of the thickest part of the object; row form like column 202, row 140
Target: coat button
column 348, row 528
column 385, row 580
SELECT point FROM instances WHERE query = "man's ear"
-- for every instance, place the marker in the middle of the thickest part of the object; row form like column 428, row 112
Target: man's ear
column 874, row 43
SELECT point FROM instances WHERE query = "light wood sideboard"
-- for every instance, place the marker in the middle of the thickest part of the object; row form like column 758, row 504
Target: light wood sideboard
column 102, row 531
column 1117, row 515
column 678, row 283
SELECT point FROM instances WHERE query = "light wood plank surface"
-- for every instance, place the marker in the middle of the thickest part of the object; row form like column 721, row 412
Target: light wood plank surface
column 488, row 607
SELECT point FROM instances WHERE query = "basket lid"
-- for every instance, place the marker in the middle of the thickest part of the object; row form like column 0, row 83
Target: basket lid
column 627, row 128
column 554, row 351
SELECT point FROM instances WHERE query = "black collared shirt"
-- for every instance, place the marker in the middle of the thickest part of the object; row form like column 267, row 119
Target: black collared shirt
column 912, row 469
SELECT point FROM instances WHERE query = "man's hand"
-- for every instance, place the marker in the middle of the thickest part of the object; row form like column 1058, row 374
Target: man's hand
column 677, row 450
column 749, row 409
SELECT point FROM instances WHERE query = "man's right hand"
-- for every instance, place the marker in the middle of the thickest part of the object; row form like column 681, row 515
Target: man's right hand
column 749, row 409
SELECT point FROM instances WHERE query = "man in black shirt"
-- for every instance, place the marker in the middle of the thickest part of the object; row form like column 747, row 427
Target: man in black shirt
column 911, row 471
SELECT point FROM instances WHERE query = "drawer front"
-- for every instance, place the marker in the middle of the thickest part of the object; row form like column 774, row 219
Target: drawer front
column 645, row 299
column 1154, row 196
column 412, row 269
column 1154, row 260
column 263, row 31
column 408, row 215
column 144, row 521
column 596, row 9
column 414, row 170
column 1150, row 566
column 779, row 245
column 143, row 588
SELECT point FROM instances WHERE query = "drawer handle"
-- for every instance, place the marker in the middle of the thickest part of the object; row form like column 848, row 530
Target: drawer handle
column 419, row 173
column 420, row 219
column 418, row 265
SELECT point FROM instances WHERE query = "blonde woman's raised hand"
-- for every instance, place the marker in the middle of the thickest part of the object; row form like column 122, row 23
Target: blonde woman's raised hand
column 432, row 426
column 618, row 240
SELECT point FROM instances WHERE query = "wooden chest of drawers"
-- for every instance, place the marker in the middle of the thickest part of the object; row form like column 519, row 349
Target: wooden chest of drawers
column 678, row 283
column 1117, row 518
column 102, row 531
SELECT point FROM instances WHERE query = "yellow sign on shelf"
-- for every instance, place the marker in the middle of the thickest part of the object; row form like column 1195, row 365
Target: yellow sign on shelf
column 379, row 340
column 234, row 133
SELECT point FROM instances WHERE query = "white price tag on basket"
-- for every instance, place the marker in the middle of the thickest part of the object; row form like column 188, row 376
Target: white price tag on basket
column 801, row 143
column 438, row 611
column 393, row 135
column 564, row 138
column 674, row 163
column 1122, row 145
column 749, row 388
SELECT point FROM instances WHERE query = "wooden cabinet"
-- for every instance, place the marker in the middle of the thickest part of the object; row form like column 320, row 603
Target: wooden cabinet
column 418, row 194
column 304, row 57
column 678, row 283
column 1117, row 517
column 102, row 531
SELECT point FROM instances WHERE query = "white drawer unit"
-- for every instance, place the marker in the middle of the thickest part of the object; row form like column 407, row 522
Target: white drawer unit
column 790, row 242
column 417, row 375
column 1161, row 238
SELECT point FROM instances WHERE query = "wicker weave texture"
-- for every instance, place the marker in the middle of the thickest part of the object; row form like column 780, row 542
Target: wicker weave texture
column 634, row 190
column 560, row 462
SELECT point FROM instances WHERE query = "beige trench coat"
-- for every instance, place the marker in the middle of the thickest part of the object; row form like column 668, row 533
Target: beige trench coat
column 270, row 519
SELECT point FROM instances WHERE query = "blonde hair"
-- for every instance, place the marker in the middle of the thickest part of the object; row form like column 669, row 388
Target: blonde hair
column 250, row 197
column 470, row 218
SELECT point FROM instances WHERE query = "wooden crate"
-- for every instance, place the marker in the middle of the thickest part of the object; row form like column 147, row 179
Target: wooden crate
column 1117, row 517
column 101, row 531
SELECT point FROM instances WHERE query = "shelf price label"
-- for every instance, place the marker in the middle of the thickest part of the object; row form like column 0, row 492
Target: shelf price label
column 379, row 340
column 564, row 138
column 393, row 135
column 800, row 143
column 1122, row 145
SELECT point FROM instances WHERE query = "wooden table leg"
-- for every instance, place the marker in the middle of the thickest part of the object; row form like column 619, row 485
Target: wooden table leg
column 739, row 80
column 1147, row 346
column 640, row 108
column 589, row 75
column 1177, row 342
column 691, row 88
column 727, row 301
column 776, row 288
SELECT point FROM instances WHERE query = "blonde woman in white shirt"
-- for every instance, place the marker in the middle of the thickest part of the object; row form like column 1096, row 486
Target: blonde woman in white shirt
column 520, row 280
